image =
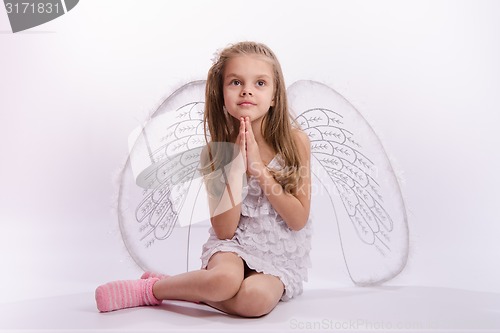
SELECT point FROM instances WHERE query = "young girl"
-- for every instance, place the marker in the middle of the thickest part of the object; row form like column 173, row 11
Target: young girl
column 258, row 249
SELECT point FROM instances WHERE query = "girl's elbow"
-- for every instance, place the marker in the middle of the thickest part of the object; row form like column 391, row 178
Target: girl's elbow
column 224, row 226
column 298, row 227
column 223, row 232
column 224, row 235
column 298, row 224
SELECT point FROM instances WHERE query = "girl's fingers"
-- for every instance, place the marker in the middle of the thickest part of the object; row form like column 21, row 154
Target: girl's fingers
column 249, row 136
column 241, row 134
column 242, row 125
column 243, row 145
column 249, row 130
column 254, row 160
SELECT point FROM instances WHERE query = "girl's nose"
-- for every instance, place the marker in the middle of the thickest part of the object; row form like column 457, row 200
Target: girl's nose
column 246, row 91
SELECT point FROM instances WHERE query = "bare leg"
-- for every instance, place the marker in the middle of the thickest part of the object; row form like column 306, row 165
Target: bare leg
column 222, row 285
column 220, row 281
column 258, row 295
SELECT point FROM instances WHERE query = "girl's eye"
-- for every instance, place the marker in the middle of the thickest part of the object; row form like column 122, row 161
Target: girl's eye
column 235, row 83
column 261, row 83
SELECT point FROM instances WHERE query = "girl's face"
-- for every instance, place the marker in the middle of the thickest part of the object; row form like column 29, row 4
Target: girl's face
column 248, row 86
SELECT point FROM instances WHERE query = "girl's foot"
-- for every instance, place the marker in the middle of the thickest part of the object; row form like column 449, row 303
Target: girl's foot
column 126, row 294
column 148, row 275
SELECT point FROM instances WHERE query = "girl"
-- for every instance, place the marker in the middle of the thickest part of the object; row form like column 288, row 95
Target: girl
column 258, row 250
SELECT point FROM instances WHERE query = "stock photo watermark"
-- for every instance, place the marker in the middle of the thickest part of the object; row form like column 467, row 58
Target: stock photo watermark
column 327, row 324
column 25, row 14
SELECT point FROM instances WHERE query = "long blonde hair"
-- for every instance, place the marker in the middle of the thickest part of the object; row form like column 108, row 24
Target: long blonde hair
column 276, row 126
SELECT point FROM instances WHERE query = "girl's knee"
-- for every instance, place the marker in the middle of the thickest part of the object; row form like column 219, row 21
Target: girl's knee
column 223, row 284
column 255, row 302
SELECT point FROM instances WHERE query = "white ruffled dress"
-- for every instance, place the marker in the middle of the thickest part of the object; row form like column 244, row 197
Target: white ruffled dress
column 264, row 241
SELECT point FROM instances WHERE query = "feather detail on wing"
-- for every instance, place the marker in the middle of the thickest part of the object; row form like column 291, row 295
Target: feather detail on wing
column 355, row 172
column 161, row 181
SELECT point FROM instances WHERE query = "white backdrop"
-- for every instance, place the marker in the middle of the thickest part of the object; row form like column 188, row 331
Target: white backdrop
column 425, row 74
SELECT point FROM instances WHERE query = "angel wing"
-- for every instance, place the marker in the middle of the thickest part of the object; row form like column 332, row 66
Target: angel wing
column 354, row 170
column 160, row 182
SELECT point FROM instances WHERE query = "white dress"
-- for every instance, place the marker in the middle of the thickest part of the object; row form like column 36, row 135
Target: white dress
column 264, row 241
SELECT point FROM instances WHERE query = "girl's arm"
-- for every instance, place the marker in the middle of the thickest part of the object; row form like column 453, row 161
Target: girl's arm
column 294, row 209
column 225, row 190
column 225, row 209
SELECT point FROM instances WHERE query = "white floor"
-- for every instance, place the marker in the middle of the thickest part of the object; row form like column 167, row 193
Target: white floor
column 49, row 275
column 403, row 308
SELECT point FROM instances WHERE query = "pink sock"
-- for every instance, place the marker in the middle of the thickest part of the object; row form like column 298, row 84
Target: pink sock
column 148, row 275
column 125, row 294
